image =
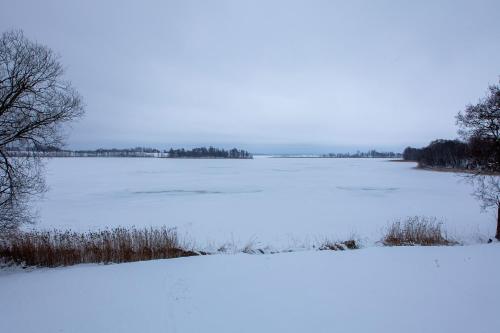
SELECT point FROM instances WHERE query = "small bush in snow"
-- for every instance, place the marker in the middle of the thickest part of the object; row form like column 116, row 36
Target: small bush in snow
column 339, row 246
column 416, row 230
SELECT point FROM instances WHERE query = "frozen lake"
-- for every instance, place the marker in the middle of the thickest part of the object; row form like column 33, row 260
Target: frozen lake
column 269, row 201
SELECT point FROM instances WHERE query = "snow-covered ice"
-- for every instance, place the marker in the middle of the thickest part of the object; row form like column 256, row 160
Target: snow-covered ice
column 282, row 202
column 377, row 289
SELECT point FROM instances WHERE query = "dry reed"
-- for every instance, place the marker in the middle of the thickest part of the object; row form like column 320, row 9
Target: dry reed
column 416, row 230
column 62, row 248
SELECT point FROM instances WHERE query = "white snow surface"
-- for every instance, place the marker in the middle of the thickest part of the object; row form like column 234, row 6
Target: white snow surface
column 378, row 289
column 278, row 202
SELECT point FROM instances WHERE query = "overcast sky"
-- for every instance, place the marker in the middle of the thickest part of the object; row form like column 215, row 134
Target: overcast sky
column 269, row 75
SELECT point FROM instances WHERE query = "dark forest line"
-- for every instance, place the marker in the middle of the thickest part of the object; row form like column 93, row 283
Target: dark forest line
column 203, row 152
column 475, row 155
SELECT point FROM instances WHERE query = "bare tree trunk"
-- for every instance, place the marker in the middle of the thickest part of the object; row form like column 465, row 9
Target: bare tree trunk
column 497, row 236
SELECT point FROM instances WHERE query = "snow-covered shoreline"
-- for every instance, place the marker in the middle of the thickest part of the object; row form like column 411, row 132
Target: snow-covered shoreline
column 398, row 289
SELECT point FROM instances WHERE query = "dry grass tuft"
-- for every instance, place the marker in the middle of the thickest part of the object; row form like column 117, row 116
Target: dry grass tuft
column 339, row 246
column 416, row 230
column 63, row 248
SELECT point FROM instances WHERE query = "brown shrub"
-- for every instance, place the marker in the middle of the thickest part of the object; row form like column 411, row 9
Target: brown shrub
column 416, row 230
column 62, row 248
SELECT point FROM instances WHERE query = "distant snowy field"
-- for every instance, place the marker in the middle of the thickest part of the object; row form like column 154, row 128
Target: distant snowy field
column 266, row 201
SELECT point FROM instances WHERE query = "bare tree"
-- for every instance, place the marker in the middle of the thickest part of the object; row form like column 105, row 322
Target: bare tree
column 35, row 103
column 480, row 126
column 482, row 120
column 487, row 191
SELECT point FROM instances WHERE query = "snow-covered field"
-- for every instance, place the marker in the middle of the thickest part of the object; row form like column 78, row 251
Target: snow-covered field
column 377, row 289
column 281, row 202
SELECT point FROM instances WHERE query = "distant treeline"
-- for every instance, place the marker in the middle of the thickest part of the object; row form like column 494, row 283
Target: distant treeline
column 48, row 151
column 368, row 154
column 211, row 152
column 476, row 154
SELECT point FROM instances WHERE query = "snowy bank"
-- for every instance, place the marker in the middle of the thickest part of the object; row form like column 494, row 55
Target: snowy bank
column 403, row 289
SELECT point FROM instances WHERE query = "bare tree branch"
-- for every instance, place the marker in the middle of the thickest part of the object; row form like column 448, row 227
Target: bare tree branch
column 480, row 126
column 35, row 103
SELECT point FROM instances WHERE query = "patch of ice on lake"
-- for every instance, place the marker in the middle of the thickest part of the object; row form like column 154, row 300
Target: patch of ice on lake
column 368, row 188
column 195, row 192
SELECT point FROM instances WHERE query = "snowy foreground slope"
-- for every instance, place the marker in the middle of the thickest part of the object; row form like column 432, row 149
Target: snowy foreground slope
column 407, row 289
